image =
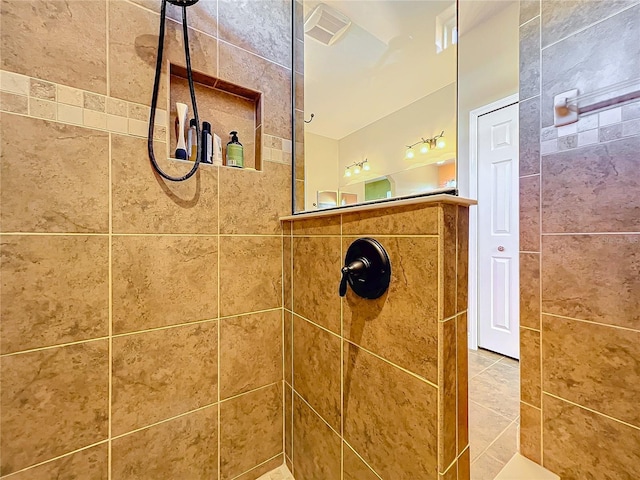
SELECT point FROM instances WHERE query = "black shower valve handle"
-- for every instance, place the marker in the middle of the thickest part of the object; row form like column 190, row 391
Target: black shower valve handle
column 357, row 268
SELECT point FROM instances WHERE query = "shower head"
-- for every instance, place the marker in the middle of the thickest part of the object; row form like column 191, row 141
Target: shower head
column 182, row 3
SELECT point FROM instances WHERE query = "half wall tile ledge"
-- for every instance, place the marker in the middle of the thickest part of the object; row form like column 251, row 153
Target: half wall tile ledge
column 401, row 202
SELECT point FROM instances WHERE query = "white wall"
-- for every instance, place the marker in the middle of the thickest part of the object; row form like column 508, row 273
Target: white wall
column 487, row 71
column 320, row 167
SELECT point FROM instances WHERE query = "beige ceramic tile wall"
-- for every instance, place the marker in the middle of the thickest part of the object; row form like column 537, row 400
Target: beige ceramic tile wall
column 141, row 320
column 580, row 238
column 377, row 388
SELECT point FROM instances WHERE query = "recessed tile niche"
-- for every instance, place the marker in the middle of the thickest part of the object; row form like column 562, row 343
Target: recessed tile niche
column 225, row 106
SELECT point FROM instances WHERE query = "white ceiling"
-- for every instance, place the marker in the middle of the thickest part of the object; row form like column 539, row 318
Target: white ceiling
column 386, row 60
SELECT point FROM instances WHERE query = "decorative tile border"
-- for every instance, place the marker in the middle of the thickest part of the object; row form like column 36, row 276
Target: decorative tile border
column 605, row 126
column 38, row 98
column 49, row 101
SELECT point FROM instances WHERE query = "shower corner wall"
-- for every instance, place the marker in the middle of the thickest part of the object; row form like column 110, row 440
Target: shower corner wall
column 378, row 385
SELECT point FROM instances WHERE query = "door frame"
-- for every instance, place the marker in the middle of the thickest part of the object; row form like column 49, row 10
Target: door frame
column 474, row 115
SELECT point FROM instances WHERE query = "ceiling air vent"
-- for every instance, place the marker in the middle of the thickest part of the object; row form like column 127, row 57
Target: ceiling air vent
column 326, row 24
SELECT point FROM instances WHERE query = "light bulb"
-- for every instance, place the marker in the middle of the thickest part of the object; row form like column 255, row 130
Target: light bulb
column 424, row 148
column 356, row 170
column 441, row 143
column 366, row 167
column 347, row 173
column 410, row 153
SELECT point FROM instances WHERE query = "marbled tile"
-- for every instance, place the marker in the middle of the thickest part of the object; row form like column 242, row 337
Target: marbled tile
column 462, row 273
column 253, row 202
column 484, row 427
column 242, row 289
column 592, row 365
column 161, row 281
column 587, row 190
column 531, row 432
column 163, row 373
column 485, row 468
column 186, row 447
column 402, row 325
column 592, row 277
column 408, row 220
column 530, row 368
column 463, row 382
column 631, row 111
column 75, row 199
column 506, row 445
column 145, row 203
column 611, row 132
column 316, row 277
column 530, row 214
column 317, row 447
column 288, row 420
column 53, row 401
column 10, row 102
column 288, row 347
column 250, row 430
column 354, row 468
column 448, row 246
column 500, row 381
column 390, row 417
column 287, row 271
column 89, row 464
column 316, row 226
column 530, row 59
column 42, row 89
column 528, row 10
column 271, row 470
column 575, row 440
column 447, row 394
column 464, row 466
column 478, row 363
column 250, row 71
column 575, row 63
column 632, row 127
column 202, row 16
column 299, row 158
column 263, row 28
column 60, row 41
column 530, row 136
column 451, row 473
column 250, row 352
column 316, row 369
column 133, row 43
column 299, row 196
column 530, row 290
column 14, row 83
column 54, row 290
column 561, row 18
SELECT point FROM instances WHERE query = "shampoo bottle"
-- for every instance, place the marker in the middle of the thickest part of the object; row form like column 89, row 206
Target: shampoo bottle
column 207, row 143
column 192, row 140
column 235, row 152
column 181, row 147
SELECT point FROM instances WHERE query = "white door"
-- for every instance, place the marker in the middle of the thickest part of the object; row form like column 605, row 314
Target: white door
column 498, row 237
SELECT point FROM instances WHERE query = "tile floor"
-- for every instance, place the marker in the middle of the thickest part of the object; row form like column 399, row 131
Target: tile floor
column 494, row 409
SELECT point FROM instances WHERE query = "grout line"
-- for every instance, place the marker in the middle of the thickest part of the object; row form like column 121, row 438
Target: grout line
column 219, row 447
column 530, row 328
column 344, row 442
column 583, row 29
column 492, row 410
column 529, row 405
column 530, row 175
column 342, row 345
column 110, row 364
column 50, row 460
column 592, row 411
column 320, row 416
column 49, row 347
column 560, row 234
column 258, row 466
column 486, row 449
column 484, row 369
column 531, row 20
column 627, row 329
column 164, row 420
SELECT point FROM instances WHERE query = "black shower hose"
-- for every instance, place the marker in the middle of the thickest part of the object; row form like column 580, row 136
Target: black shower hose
column 154, row 98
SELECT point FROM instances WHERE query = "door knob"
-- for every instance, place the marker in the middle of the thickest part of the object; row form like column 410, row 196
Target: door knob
column 367, row 269
column 501, row 248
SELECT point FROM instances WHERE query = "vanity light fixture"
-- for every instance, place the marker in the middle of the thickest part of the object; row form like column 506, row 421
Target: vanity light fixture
column 426, row 144
column 357, row 167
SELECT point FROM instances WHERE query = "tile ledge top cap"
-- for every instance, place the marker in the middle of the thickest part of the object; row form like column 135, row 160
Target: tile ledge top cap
column 399, row 202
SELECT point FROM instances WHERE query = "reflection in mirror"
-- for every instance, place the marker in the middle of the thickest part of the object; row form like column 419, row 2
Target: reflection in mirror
column 375, row 100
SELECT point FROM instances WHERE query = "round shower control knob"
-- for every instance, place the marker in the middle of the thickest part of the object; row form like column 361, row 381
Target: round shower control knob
column 501, row 248
column 367, row 269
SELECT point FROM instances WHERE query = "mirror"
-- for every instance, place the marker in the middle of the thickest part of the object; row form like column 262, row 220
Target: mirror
column 375, row 100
